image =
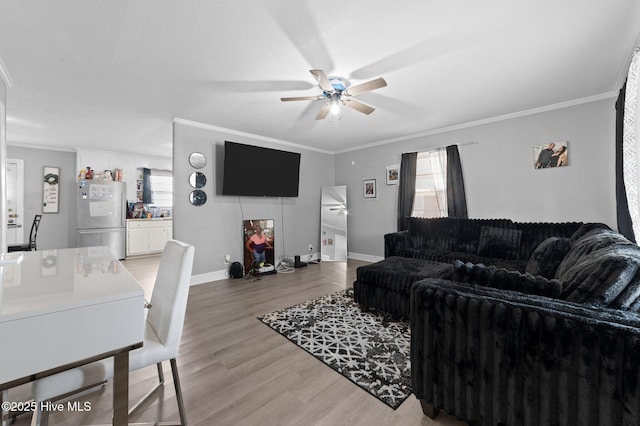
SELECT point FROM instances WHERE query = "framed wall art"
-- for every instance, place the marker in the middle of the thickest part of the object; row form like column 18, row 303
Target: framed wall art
column 392, row 174
column 51, row 190
column 553, row 154
column 369, row 189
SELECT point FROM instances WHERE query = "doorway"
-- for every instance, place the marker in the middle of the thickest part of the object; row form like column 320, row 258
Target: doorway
column 15, row 201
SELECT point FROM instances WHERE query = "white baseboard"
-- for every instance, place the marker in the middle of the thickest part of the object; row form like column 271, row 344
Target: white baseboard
column 209, row 276
column 365, row 257
column 223, row 274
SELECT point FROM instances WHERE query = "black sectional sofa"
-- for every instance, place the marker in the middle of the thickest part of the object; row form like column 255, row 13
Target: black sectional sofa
column 431, row 246
column 548, row 334
column 498, row 242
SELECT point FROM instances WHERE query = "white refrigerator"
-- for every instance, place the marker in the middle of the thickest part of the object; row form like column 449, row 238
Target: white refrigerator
column 102, row 215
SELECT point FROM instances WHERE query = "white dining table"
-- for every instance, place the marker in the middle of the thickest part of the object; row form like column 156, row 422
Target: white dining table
column 60, row 309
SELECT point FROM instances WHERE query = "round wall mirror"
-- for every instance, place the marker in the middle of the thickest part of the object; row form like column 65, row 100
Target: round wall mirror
column 197, row 160
column 198, row 197
column 197, row 180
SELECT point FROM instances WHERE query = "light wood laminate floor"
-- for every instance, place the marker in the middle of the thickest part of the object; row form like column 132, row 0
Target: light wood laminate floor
column 234, row 370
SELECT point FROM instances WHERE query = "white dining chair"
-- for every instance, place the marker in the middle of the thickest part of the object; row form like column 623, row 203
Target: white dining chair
column 163, row 331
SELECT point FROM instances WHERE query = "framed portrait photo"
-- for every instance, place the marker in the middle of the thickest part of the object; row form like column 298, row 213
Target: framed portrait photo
column 369, row 189
column 549, row 155
column 392, row 175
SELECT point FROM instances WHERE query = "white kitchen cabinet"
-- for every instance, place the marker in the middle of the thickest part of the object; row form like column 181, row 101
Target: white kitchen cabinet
column 159, row 234
column 148, row 236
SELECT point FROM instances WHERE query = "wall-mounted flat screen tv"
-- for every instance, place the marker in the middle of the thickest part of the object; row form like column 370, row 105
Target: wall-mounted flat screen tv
column 260, row 172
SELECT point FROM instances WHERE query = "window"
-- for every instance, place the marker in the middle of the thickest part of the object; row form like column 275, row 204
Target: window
column 431, row 192
column 161, row 189
column 631, row 141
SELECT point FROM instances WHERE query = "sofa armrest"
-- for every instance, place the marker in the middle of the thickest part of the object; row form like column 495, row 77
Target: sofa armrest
column 494, row 356
column 395, row 242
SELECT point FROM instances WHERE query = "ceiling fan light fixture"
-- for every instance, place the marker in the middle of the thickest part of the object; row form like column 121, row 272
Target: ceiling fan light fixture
column 335, row 108
column 338, row 90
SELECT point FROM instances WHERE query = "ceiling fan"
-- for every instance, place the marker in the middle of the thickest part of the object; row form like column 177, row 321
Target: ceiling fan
column 337, row 91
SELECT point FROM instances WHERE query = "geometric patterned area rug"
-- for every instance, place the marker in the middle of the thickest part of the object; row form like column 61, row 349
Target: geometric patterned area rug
column 368, row 348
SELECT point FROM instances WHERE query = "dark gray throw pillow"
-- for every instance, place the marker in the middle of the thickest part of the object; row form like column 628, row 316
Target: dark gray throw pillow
column 546, row 258
column 504, row 279
column 501, row 243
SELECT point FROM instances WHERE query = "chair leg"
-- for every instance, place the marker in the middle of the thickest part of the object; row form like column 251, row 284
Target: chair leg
column 151, row 393
column 176, row 383
column 40, row 417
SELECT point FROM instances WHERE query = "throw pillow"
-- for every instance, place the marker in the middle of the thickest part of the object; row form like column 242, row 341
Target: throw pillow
column 501, row 243
column 469, row 273
column 602, row 275
column 593, row 241
column 528, row 284
column 586, row 228
column 503, row 279
column 546, row 258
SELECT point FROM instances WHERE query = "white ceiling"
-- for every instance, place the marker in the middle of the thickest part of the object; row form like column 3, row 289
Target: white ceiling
column 113, row 74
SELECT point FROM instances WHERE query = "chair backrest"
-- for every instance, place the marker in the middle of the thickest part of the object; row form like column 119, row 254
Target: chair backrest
column 34, row 232
column 170, row 293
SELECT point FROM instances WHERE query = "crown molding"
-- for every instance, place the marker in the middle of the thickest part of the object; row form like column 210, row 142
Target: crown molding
column 248, row 135
column 509, row 116
column 36, row 146
column 625, row 69
column 4, row 75
column 524, row 113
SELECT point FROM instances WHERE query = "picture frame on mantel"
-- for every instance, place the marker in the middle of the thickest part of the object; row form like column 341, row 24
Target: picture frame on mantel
column 369, row 188
column 50, row 189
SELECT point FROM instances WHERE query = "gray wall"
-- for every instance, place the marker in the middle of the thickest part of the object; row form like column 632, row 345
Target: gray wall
column 500, row 180
column 56, row 230
column 215, row 229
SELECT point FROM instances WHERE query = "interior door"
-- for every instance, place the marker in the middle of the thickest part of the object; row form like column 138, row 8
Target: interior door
column 15, row 201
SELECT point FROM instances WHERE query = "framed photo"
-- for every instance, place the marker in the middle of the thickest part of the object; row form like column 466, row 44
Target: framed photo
column 392, row 174
column 369, row 189
column 51, row 190
column 554, row 154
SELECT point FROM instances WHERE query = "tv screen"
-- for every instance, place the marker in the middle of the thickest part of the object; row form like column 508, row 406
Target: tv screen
column 261, row 172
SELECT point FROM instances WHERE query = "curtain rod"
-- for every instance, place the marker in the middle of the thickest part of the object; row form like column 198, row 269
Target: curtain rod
column 431, row 148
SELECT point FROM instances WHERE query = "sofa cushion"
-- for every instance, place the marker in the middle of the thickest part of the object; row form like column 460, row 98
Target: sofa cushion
column 504, row 279
column 593, row 240
column 547, row 257
column 603, row 276
column 501, row 243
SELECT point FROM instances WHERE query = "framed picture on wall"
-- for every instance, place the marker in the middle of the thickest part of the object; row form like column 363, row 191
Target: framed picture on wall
column 51, row 190
column 369, row 189
column 553, row 154
column 392, row 174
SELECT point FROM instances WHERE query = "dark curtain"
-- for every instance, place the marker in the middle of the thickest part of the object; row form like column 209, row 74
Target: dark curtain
column 146, row 186
column 407, row 188
column 625, row 226
column 456, row 198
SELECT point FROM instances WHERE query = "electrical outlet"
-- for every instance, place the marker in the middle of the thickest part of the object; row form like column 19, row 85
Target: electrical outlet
column 227, row 258
column 310, row 247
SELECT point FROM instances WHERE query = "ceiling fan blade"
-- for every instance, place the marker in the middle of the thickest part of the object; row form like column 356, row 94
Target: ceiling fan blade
column 323, row 80
column 359, row 106
column 324, row 111
column 366, row 87
column 302, row 98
